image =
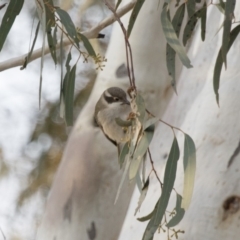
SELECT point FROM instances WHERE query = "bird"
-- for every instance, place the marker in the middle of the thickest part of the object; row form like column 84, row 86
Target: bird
column 113, row 104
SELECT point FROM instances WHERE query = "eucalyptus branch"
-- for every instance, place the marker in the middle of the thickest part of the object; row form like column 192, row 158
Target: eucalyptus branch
column 171, row 126
column 127, row 46
column 153, row 168
column 92, row 33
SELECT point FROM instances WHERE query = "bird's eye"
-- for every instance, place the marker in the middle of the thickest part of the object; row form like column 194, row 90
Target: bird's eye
column 116, row 99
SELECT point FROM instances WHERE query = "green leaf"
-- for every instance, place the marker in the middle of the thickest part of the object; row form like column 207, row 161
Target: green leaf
column 172, row 39
column 118, row 3
column 68, row 24
column 150, row 122
column 52, row 41
column 123, row 154
column 188, row 30
column 189, row 162
column 177, row 23
column 229, row 15
column 28, row 57
column 140, row 151
column 142, row 196
column 62, row 107
column 219, row 62
column 50, row 20
column 191, row 7
column 69, row 96
column 220, row 8
column 203, row 21
column 149, row 216
column 179, row 213
column 13, row 9
column 50, row 13
column 42, row 17
column 134, row 15
column 122, row 179
column 87, row 45
column 169, row 179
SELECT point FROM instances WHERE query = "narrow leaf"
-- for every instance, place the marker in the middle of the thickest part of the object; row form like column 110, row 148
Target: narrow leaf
column 69, row 96
column 68, row 24
column 229, row 15
column 172, row 39
column 149, row 216
column 177, row 23
column 49, row 13
column 179, row 213
column 188, row 30
column 219, row 62
column 149, row 122
column 52, row 44
column 13, row 9
column 122, row 179
column 140, row 151
column 62, row 107
column 28, row 57
column 203, row 21
column 191, row 7
column 189, row 162
column 123, row 154
column 169, row 179
column 142, row 196
column 87, row 45
column 118, row 3
column 134, row 15
column 141, row 108
column 42, row 16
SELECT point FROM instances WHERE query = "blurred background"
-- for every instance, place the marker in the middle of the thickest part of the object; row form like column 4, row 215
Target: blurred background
column 32, row 140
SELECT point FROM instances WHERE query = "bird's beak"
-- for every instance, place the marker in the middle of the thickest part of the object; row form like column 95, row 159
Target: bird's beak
column 126, row 102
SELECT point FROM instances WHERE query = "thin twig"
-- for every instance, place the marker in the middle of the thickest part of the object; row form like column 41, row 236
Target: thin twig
column 92, row 33
column 171, row 126
column 153, row 169
column 127, row 46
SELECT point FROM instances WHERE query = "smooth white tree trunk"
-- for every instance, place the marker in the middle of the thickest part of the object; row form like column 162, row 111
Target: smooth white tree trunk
column 88, row 177
column 216, row 132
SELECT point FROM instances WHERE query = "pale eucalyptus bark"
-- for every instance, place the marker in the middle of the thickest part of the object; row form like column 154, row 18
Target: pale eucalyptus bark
column 88, row 177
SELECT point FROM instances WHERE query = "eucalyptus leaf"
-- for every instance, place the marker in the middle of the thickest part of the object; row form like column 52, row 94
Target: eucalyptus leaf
column 123, row 154
column 28, row 57
column 118, row 3
column 169, row 179
column 176, row 219
column 42, row 16
column 13, row 9
column 87, row 45
column 62, row 105
column 188, row 30
column 219, row 62
column 189, row 162
column 203, row 21
column 149, row 216
column 172, row 39
column 123, row 178
column 170, row 52
column 229, row 15
column 191, row 7
column 134, row 14
column 142, row 196
column 68, row 24
column 69, row 96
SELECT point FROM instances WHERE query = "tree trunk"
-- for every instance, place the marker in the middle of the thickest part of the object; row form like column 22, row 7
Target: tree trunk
column 214, row 211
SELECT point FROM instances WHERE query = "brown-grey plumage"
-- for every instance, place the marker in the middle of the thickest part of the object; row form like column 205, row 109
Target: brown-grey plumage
column 113, row 104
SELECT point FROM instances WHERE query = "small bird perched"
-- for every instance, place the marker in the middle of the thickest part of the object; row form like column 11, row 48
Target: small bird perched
column 113, row 104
